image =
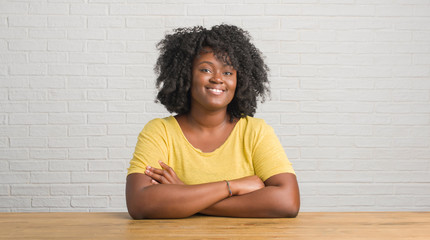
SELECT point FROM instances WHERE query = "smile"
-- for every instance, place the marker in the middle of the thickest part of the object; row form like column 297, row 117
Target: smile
column 215, row 90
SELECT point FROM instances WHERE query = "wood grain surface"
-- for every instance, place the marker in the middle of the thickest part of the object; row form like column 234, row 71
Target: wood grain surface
column 324, row 225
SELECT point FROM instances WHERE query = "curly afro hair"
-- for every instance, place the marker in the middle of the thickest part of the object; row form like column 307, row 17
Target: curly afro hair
column 231, row 45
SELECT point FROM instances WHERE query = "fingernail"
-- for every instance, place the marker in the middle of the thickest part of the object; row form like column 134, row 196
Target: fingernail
column 146, row 171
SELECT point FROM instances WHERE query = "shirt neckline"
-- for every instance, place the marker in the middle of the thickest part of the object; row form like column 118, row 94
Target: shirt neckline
column 232, row 133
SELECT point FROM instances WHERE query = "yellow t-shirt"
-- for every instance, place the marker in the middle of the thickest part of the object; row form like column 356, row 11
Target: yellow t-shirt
column 251, row 149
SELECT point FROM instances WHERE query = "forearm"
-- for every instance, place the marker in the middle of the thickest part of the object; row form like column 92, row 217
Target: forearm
column 270, row 201
column 175, row 201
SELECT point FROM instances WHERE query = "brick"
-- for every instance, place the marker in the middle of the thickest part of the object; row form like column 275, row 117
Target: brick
column 50, row 177
column 182, row 21
column 262, row 22
column 66, row 118
column 11, row 107
column 339, row 10
column 28, row 118
column 120, row 153
column 125, row 34
column 32, row 166
column 105, row 46
column 14, row 177
column 105, row 70
column 87, row 130
column 106, row 118
column 47, row 82
column 59, row 94
column 48, row 131
column 144, row 22
column 4, row 190
column 46, row 154
column 27, row 21
column 13, row 154
column 91, row 153
column 281, row 9
column 87, row 58
column 47, row 107
column 86, row 34
column 106, row 165
column 14, row 202
column 68, row 142
column 166, row 9
column 84, row 82
column 51, row 202
column 295, row 141
column 89, row 177
column 67, row 166
column 107, row 189
column 117, row 177
column 48, row 9
column 13, row 8
column 69, row 189
column 10, row 131
column 354, row 130
column 28, row 69
column 317, row 130
column 58, row 69
column 106, row 22
column 301, row 118
column 279, row 107
column 92, row 202
column 29, row 190
column 88, row 9
column 46, row 34
column 126, row 58
column 66, row 21
column 106, row 94
column 106, row 141
column 128, row 106
column 117, row 201
column 206, row 10
column 13, row 58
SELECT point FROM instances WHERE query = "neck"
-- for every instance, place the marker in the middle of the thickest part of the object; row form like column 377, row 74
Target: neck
column 208, row 120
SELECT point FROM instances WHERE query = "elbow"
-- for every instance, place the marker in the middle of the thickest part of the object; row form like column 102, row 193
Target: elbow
column 289, row 209
column 135, row 213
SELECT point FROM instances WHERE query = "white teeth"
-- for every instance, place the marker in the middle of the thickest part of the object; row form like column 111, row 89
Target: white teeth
column 216, row 90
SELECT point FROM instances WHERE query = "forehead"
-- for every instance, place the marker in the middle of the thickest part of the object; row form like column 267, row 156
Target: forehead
column 208, row 54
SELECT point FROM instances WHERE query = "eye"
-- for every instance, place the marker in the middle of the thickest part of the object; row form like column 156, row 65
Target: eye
column 205, row 70
column 228, row 73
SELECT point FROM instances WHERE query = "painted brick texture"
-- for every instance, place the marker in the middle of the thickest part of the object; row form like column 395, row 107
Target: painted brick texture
column 350, row 96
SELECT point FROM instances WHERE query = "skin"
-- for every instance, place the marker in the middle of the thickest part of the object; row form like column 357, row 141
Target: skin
column 159, row 193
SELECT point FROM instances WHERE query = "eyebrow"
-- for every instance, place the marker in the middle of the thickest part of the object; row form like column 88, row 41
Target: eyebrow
column 211, row 63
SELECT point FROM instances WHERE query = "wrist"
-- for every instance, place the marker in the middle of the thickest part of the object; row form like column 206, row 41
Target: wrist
column 230, row 193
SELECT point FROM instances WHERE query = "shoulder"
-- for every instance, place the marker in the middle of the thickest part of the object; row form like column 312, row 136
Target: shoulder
column 159, row 124
column 255, row 124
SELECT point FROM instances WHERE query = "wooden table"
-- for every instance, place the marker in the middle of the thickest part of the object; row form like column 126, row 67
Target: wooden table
column 358, row 225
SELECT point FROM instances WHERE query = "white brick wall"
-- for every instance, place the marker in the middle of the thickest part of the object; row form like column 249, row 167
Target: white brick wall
column 350, row 96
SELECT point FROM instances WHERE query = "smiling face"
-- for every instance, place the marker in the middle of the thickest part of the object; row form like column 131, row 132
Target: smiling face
column 213, row 82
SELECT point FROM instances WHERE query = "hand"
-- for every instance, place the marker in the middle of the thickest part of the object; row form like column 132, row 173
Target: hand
column 166, row 175
column 246, row 185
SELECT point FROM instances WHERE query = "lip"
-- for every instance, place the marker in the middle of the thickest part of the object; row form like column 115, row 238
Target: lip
column 216, row 91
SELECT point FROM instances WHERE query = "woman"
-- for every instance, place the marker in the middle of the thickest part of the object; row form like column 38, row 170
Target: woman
column 213, row 157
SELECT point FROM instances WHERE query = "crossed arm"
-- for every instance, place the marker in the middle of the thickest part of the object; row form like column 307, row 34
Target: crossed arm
column 159, row 193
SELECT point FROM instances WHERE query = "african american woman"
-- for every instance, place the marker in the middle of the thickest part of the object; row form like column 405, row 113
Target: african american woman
column 213, row 157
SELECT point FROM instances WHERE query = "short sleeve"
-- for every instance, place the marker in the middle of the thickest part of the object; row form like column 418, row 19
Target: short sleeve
column 151, row 147
column 269, row 157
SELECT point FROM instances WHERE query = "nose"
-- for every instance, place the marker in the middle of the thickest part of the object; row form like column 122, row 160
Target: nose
column 216, row 78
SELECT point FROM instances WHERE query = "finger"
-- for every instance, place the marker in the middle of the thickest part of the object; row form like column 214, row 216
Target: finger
column 155, row 170
column 160, row 175
column 167, row 172
column 167, row 168
column 154, row 182
column 153, row 175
